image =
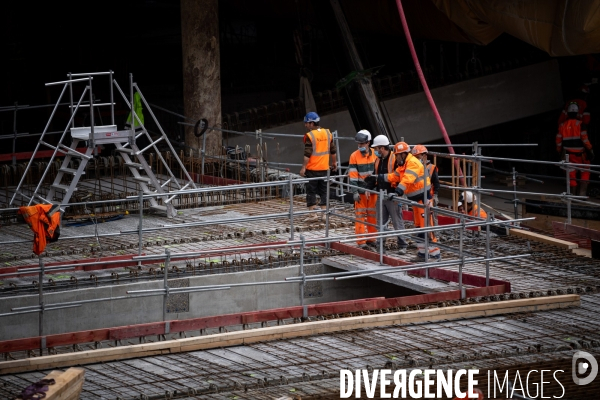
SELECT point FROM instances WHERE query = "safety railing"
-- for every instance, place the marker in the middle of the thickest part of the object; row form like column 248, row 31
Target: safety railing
column 302, row 245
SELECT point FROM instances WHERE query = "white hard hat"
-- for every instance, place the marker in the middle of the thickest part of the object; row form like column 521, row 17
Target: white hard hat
column 380, row 140
column 469, row 197
column 459, row 204
column 362, row 136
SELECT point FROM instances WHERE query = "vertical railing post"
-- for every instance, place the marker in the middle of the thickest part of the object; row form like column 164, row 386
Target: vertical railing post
column 166, row 284
column 462, row 258
column 303, row 283
column 41, row 301
column 515, row 201
column 140, row 227
column 568, row 190
column 291, row 208
column 112, row 99
column 381, row 227
column 328, row 245
column 487, row 250
column 426, row 214
column 14, row 146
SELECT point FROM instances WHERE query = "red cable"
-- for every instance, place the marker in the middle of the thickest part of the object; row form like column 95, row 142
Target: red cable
column 438, row 118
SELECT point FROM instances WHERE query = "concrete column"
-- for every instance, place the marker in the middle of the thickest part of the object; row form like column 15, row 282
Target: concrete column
column 201, row 69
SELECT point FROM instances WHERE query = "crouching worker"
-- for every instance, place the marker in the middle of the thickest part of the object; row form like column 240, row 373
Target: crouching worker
column 412, row 182
column 470, row 206
column 44, row 221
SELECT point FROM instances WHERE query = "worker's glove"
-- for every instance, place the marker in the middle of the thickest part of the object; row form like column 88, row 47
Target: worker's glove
column 590, row 155
column 399, row 191
column 356, row 197
column 371, row 182
column 435, row 200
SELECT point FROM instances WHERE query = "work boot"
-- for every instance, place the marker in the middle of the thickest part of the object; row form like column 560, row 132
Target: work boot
column 313, row 217
column 322, row 215
column 583, row 188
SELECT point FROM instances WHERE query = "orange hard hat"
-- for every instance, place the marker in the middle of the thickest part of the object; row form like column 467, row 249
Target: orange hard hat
column 401, row 147
column 419, row 149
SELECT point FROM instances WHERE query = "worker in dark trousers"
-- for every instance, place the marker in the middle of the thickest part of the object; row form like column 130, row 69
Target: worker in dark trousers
column 319, row 156
column 384, row 164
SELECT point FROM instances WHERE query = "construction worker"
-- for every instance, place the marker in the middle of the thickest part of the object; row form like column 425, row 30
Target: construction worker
column 410, row 176
column 44, row 221
column 583, row 113
column 572, row 139
column 360, row 166
column 319, row 156
column 384, row 164
column 470, row 206
column 420, row 152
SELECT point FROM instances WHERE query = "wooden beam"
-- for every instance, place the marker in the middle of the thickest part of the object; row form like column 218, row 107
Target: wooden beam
column 68, row 384
column 536, row 237
column 291, row 331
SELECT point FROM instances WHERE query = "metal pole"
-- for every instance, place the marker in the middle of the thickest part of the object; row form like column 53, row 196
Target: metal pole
column 426, row 214
column 462, row 257
column 203, row 151
column 515, row 201
column 478, row 182
column 14, row 146
column 41, row 300
column 339, row 190
column 140, row 227
column 487, row 251
column 112, row 100
column 327, row 208
column 91, row 140
column 568, row 190
column 292, row 208
column 303, row 276
column 381, row 239
column 166, row 283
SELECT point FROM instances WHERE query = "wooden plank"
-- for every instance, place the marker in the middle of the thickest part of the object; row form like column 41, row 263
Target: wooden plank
column 68, row 384
column 293, row 330
column 126, row 332
column 8, row 346
column 63, row 339
column 536, row 237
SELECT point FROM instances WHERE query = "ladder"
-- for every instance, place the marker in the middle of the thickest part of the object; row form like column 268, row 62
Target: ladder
column 95, row 135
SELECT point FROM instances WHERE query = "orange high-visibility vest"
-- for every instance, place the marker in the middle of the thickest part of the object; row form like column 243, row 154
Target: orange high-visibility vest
column 321, row 143
column 44, row 226
column 572, row 135
column 360, row 167
column 474, row 213
column 410, row 177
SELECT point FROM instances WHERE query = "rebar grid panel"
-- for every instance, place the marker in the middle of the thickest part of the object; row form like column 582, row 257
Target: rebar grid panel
column 311, row 365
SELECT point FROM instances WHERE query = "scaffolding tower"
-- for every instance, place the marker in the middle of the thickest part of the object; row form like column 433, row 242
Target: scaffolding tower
column 96, row 135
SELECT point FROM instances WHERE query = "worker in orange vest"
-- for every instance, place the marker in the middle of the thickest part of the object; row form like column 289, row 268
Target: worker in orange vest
column 572, row 139
column 360, row 166
column 420, row 152
column 412, row 182
column 583, row 113
column 470, row 206
column 44, row 221
column 319, row 157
